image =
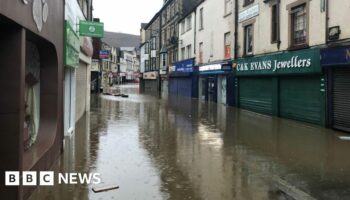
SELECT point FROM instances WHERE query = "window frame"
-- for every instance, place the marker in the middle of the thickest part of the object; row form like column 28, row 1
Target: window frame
column 246, row 52
column 290, row 7
column 201, row 19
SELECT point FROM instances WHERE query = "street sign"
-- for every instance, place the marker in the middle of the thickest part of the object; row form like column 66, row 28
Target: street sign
column 91, row 29
column 104, row 54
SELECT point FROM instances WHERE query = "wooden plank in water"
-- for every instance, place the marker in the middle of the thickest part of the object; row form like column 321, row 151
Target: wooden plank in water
column 105, row 188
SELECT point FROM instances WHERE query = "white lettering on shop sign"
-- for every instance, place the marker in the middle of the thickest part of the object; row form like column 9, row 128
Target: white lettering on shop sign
column 275, row 65
column 210, row 67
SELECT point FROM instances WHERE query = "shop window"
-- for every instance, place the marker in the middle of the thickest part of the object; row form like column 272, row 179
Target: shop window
column 248, row 40
column 31, row 95
column 299, row 25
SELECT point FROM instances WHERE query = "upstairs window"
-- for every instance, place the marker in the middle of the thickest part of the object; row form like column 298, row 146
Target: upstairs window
column 189, row 22
column 228, row 7
column 274, row 25
column 201, row 19
column 227, row 49
column 248, row 2
column 299, row 25
column 248, row 40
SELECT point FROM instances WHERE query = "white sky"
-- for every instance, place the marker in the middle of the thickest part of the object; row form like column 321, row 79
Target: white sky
column 125, row 16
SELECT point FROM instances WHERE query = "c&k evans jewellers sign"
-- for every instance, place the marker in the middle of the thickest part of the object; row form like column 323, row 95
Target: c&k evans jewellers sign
column 296, row 62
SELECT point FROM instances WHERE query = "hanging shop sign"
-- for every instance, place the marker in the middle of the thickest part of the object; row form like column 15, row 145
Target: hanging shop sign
column 335, row 56
column 104, row 54
column 296, row 62
column 71, row 47
column 150, row 75
column 248, row 13
column 184, row 66
column 91, row 29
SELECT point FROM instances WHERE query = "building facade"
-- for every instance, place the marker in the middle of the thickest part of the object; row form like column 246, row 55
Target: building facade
column 214, row 51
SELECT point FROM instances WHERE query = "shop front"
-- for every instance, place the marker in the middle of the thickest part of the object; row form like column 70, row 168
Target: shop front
column 336, row 62
column 216, row 83
column 183, row 80
column 290, row 85
column 151, row 82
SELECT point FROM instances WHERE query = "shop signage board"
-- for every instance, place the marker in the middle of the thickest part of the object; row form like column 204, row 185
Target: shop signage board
column 91, row 29
column 248, row 13
column 295, row 62
column 104, row 54
column 71, row 47
column 335, row 56
column 184, row 66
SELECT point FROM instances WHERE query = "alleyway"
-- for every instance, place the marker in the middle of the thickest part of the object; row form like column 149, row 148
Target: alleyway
column 184, row 149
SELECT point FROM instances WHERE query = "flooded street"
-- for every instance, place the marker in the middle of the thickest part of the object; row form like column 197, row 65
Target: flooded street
column 185, row 149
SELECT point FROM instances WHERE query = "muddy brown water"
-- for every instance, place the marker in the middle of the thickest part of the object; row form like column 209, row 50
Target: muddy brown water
column 181, row 148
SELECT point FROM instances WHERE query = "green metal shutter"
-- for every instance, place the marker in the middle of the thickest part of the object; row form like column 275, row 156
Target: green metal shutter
column 301, row 99
column 255, row 94
column 341, row 99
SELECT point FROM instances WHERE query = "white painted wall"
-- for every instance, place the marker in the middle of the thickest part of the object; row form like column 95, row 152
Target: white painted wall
column 262, row 26
column 186, row 37
column 215, row 25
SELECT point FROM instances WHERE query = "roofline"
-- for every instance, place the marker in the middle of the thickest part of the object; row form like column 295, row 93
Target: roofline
column 191, row 11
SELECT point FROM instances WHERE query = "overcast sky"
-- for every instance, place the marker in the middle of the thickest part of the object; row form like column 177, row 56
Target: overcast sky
column 125, row 16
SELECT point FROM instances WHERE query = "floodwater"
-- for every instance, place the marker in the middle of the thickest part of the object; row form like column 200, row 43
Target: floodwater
column 181, row 149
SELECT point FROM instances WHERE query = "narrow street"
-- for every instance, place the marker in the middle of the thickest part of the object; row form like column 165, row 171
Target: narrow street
column 184, row 149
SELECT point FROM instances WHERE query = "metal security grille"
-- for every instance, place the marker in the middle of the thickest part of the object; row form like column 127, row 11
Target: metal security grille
column 255, row 94
column 341, row 99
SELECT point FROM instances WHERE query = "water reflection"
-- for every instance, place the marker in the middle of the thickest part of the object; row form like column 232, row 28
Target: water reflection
column 185, row 149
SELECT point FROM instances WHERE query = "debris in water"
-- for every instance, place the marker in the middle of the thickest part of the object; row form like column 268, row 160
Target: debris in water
column 125, row 95
column 344, row 138
column 105, row 188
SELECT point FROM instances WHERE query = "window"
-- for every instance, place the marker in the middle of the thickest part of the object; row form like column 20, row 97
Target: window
column 274, row 25
column 154, row 64
column 153, row 44
column 227, row 49
column 189, row 22
column 247, row 2
column 189, row 51
column 248, row 40
column 228, row 7
column 147, row 48
column 200, row 53
column 299, row 24
column 201, row 19
column 183, row 27
column 147, row 65
column 183, row 53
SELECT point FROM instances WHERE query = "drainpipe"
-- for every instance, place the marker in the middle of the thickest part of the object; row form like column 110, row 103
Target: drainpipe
column 195, row 32
column 327, row 21
column 236, row 31
column 278, row 25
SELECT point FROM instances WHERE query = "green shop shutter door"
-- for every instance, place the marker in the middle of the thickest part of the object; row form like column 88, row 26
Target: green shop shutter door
column 341, row 99
column 255, row 94
column 301, row 99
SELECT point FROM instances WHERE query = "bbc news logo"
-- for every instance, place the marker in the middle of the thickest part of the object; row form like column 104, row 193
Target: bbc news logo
column 47, row 178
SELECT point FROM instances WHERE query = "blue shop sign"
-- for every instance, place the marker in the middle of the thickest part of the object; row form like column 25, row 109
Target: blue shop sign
column 335, row 56
column 184, row 66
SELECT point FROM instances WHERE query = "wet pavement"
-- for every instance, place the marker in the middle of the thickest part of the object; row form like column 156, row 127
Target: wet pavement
column 184, row 149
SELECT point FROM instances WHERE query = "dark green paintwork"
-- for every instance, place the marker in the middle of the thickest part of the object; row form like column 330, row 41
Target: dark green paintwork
column 256, row 94
column 301, row 99
column 257, row 65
